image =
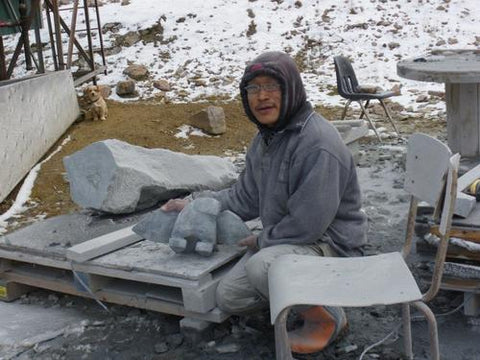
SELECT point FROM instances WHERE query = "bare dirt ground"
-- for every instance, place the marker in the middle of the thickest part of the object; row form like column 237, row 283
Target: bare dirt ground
column 153, row 125
column 127, row 333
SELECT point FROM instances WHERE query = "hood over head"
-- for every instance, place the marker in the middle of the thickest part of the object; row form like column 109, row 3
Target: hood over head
column 283, row 68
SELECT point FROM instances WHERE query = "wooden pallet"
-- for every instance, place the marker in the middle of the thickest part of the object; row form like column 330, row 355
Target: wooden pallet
column 144, row 274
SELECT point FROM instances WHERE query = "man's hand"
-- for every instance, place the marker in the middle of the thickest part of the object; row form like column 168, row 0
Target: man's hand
column 249, row 241
column 174, row 205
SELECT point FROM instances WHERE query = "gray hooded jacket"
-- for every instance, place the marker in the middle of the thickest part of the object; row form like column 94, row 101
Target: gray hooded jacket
column 303, row 185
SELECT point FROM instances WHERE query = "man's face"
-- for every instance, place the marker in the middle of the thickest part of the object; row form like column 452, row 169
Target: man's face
column 265, row 99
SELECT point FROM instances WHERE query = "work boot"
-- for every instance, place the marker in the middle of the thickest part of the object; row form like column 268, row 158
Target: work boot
column 321, row 326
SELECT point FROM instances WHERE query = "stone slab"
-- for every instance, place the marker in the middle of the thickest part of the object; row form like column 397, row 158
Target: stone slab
column 34, row 113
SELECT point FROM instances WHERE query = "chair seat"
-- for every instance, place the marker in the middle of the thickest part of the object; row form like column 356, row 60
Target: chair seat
column 370, row 96
column 348, row 282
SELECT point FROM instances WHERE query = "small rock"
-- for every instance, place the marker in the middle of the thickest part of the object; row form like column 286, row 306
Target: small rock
column 228, row 348
column 162, row 85
column 125, row 2
column 421, row 98
column 125, row 88
column 161, row 348
column 113, row 27
column 137, row 72
column 440, row 94
column 211, row 120
column 174, row 340
column 393, row 45
column 452, row 41
column 129, row 39
column 347, row 349
column 397, row 89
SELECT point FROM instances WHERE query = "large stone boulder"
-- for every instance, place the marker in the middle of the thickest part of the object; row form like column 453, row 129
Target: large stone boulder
column 116, row 177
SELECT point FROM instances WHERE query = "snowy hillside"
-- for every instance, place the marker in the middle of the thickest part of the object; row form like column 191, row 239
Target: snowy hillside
column 201, row 47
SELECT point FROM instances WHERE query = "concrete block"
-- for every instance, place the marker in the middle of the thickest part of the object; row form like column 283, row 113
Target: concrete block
column 196, row 227
column 156, row 226
column 116, row 177
column 35, row 112
column 10, row 291
column 230, row 228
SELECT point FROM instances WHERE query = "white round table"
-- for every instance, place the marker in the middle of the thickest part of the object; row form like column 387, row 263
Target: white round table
column 460, row 71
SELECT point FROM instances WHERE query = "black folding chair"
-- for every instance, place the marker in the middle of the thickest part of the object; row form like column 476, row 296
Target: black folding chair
column 348, row 88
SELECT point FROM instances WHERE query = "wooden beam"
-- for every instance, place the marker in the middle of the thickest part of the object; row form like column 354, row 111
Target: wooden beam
column 466, row 179
column 103, row 244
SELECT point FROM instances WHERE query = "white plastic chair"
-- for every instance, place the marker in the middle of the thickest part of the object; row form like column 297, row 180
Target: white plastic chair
column 379, row 279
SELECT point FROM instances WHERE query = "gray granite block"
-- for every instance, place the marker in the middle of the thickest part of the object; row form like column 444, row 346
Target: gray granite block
column 230, row 228
column 116, row 177
column 196, row 227
column 156, row 226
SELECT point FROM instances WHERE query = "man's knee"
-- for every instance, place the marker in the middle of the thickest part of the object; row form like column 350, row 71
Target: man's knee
column 257, row 273
column 224, row 298
column 237, row 300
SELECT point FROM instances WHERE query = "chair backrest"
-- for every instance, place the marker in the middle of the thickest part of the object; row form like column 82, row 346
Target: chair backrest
column 426, row 168
column 346, row 80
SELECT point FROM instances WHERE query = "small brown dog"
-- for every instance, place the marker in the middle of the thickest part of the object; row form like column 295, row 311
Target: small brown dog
column 97, row 107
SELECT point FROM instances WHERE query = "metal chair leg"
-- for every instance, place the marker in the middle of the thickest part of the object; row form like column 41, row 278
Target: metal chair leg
column 282, row 346
column 346, row 108
column 432, row 329
column 370, row 121
column 407, row 332
column 389, row 117
column 366, row 107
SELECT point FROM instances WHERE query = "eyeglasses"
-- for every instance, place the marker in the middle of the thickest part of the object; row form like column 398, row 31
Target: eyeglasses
column 254, row 89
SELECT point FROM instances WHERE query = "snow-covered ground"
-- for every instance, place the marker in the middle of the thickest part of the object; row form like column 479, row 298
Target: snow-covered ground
column 201, row 47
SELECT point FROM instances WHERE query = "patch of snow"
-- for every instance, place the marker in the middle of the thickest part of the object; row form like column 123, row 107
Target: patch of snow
column 23, row 196
column 186, row 130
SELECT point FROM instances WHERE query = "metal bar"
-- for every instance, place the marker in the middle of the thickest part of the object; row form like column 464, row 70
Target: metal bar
column 389, row 116
column 282, row 346
column 22, row 8
column 344, row 113
column 18, row 49
column 3, row 69
column 89, row 38
column 407, row 331
column 58, row 38
column 432, row 329
column 48, row 7
column 38, row 39
column 82, row 30
column 100, row 35
column 89, row 75
column 72, row 34
column 370, row 121
column 13, row 14
column 77, row 44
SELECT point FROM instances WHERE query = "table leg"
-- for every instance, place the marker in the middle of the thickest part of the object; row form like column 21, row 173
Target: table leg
column 463, row 118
